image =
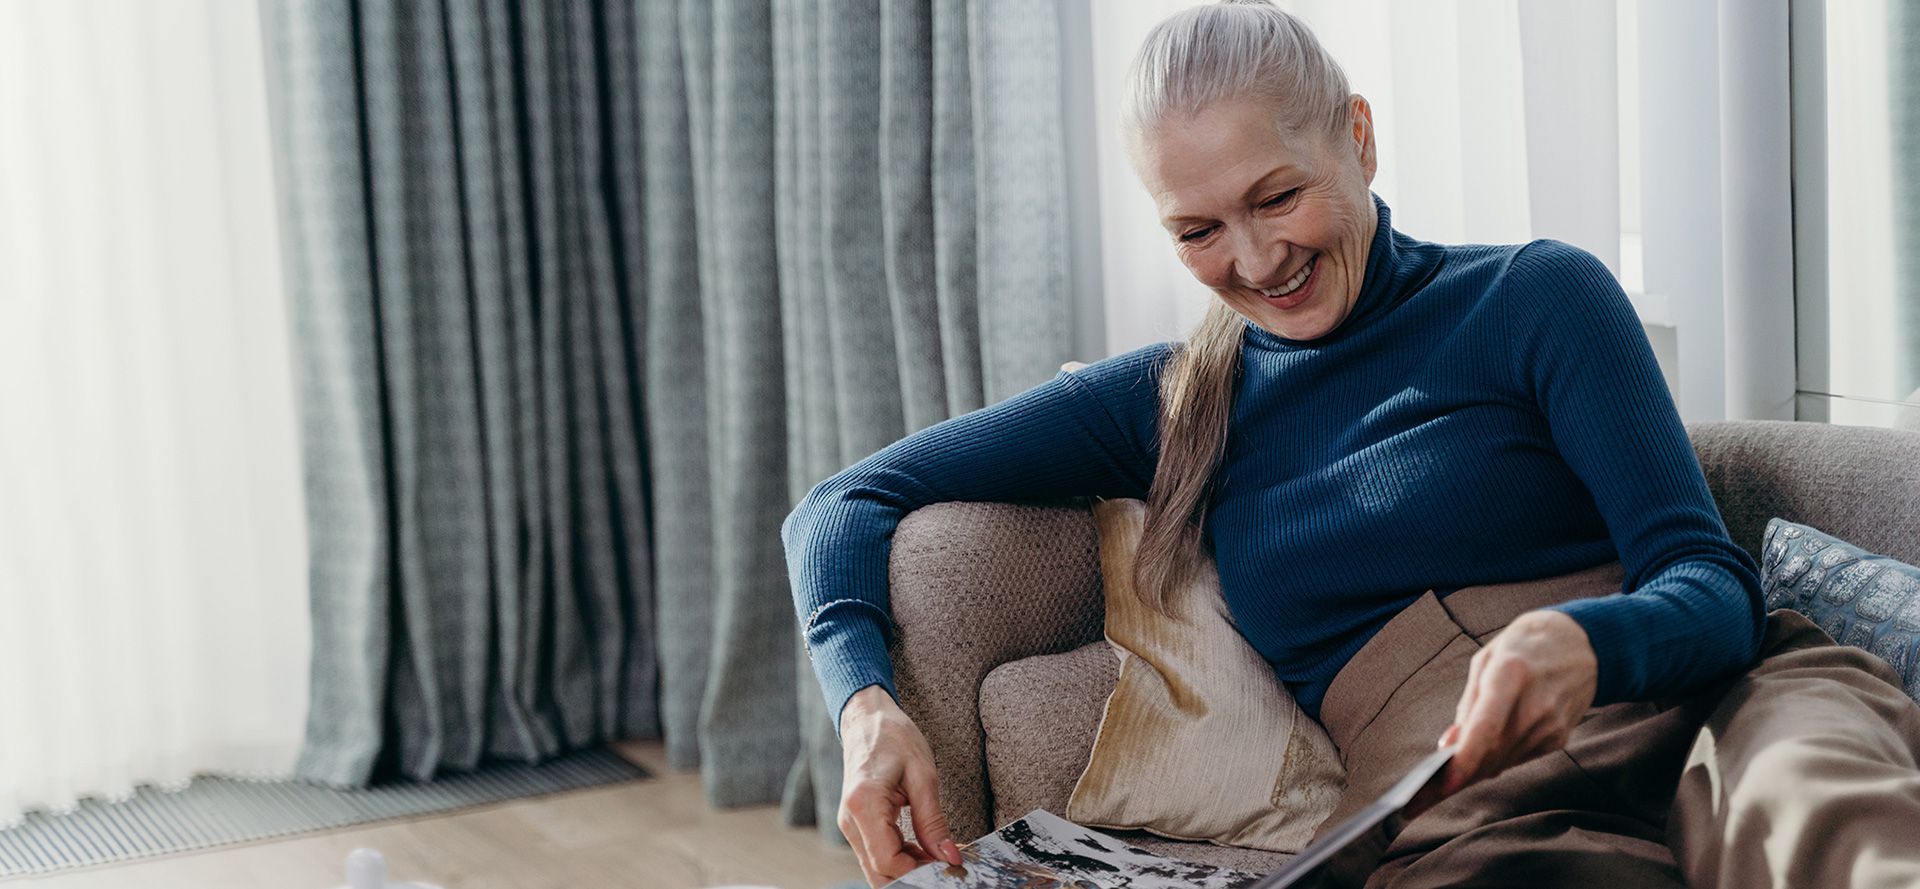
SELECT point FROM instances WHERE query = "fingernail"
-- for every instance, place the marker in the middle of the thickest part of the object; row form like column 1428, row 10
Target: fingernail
column 953, row 852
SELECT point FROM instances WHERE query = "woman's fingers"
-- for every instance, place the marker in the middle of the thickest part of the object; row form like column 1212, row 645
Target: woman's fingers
column 1467, row 695
column 850, row 828
column 1484, row 732
column 880, row 848
column 1524, row 694
column 929, row 819
column 888, row 765
column 896, row 856
column 1465, row 706
column 1512, row 720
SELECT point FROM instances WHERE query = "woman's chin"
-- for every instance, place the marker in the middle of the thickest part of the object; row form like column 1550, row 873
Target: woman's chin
column 1307, row 316
column 1301, row 325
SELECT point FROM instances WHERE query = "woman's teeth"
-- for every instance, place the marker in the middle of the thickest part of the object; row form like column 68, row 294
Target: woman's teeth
column 1299, row 278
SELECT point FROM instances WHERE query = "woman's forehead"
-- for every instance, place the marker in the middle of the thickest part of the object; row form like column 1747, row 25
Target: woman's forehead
column 1198, row 163
column 1197, row 199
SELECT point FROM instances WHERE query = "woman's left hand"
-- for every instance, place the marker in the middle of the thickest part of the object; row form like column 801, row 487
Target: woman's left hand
column 1526, row 690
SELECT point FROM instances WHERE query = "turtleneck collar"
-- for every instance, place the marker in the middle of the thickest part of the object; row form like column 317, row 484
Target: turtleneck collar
column 1394, row 272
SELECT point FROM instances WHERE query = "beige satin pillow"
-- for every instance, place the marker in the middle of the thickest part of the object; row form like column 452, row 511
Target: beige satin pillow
column 1199, row 740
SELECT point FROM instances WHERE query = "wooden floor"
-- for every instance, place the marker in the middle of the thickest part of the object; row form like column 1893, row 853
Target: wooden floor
column 657, row 833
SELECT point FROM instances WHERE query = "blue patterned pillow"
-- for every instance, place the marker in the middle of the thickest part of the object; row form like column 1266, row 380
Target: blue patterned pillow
column 1859, row 598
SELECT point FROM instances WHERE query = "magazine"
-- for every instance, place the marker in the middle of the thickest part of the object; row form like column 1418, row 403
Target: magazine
column 1044, row 851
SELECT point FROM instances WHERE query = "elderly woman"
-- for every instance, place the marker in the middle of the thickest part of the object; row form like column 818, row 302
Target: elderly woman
column 1381, row 440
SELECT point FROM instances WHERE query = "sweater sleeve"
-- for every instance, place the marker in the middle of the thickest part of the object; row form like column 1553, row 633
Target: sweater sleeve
column 1090, row 432
column 1691, row 607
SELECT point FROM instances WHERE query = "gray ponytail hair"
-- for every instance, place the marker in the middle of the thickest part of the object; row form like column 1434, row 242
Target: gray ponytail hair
column 1233, row 50
column 1239, row 49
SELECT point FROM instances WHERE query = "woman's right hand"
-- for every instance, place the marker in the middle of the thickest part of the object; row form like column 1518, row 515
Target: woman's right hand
column 888, row 764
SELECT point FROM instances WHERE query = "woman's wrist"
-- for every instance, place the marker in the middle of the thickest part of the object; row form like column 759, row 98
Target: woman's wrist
column 866, row 702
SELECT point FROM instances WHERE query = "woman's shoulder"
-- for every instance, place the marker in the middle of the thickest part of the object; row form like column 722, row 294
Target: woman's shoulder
column 1134, row 371
column 1558, row 279
column 1542, row 277
column 1548, row 259
column 1539, row 261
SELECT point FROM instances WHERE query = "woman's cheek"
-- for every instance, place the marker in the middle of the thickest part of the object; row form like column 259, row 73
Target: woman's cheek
column 1206, row 267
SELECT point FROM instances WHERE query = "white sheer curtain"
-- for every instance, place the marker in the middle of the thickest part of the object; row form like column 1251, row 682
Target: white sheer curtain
column 153, row 609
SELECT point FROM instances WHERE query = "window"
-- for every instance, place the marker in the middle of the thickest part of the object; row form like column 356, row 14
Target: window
column 1857, row 206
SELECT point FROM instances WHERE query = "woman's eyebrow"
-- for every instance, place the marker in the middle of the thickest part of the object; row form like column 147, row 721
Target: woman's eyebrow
column 1258, row 185
column 1261, row 183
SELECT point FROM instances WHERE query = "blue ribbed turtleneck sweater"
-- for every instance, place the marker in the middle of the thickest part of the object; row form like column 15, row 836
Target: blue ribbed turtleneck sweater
column 1484, row 414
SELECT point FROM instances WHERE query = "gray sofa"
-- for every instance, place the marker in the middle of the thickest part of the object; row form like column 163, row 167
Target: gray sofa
column 1001, row 662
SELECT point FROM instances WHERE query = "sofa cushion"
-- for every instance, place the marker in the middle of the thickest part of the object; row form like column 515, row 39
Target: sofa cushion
column 1039, row 715
column 1860, row 599
column 1199, row 740
column 975, row 585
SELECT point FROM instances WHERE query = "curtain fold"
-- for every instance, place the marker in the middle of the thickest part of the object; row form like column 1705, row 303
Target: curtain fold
column 477, row 503
column 588, row 296
column 922, row 236
column 675, row 355
column 748, row 727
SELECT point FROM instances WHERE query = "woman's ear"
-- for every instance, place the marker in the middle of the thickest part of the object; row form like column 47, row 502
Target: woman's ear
column 1364, row 147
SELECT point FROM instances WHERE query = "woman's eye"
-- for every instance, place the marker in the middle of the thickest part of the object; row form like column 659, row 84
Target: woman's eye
column 1280, row 198
column 1196, row 234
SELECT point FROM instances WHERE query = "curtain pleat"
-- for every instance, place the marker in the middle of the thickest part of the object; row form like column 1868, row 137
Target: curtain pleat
column 1021, row 210
column 905, row 168
column 955, row 262
column 312, row 62
column 486, row 54
column 812, row 434
column 477, row 480
column 748, row 724
column 589, row 295
column 917, row 283
column 674, row 354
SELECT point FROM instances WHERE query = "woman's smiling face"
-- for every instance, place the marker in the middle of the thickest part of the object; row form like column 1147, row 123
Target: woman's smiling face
column 1278, row 224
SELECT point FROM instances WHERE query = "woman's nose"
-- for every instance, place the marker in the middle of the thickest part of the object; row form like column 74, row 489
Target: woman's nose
column 1256, row 261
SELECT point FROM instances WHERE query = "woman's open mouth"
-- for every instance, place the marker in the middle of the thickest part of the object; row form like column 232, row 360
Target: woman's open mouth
column 1297, row 289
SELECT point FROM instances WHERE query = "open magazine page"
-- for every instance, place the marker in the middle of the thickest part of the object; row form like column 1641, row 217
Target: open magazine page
column 1044, row 851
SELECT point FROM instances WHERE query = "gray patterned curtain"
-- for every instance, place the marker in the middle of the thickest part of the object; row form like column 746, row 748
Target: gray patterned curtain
column 922, row 243
column 587, row 295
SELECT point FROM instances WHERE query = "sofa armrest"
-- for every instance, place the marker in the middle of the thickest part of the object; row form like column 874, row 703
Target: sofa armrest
column 1857, row 483
column 973, row 586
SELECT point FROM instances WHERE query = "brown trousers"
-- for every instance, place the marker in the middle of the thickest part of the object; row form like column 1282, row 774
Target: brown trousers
column 1800, row 772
